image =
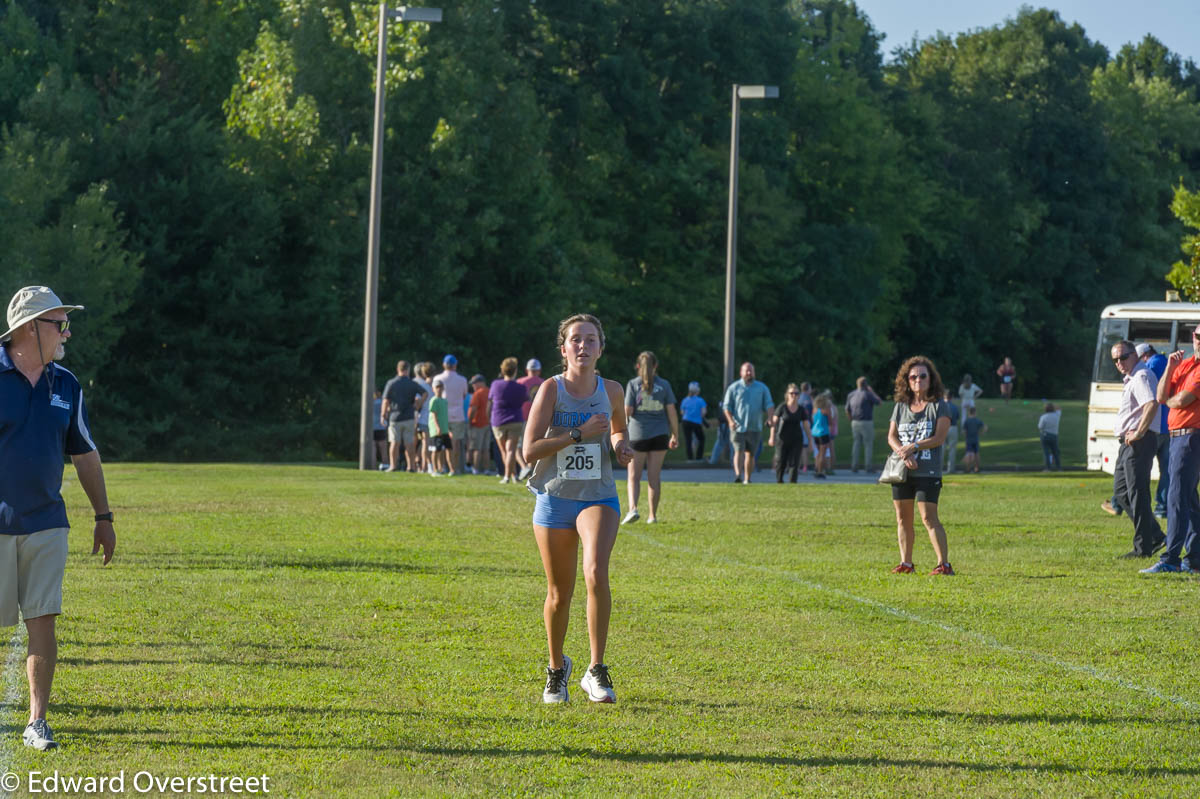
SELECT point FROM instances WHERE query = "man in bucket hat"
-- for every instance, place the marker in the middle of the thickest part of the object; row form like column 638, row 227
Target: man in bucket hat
column 42, row 417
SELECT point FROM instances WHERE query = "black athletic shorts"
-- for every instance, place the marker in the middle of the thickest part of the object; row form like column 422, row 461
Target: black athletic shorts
column 656, row 444
column 922, row 489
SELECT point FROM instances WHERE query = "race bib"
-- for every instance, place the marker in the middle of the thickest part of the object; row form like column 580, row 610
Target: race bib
column 1008, row 378
column 580, row 462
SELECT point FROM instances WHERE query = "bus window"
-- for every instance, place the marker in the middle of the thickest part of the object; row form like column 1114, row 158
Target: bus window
column 1111, row 331
column 1185, row 340
column 1153, row 332
column 1156, row 334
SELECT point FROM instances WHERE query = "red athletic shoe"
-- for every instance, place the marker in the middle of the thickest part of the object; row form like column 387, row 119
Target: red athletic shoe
column 944, row 569
column 904, row 568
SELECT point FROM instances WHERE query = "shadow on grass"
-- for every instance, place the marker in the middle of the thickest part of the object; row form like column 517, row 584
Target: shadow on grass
column 816, row 761
column 201, row 644
column 1031, row 718
column 258, row 562
column 250, row 711
column 193, row 661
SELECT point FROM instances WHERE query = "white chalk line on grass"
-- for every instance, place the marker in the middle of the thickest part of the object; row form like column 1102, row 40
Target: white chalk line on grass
column 986, row 640
column 12, row 694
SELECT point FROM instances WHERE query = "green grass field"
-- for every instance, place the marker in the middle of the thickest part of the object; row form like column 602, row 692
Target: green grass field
column 365, row 634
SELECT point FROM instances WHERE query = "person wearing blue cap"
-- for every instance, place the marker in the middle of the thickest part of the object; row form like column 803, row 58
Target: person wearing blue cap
column 456, row 394
column 693, row 409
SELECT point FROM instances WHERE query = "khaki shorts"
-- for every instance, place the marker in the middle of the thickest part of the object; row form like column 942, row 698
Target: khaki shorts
column 479, row 438
column 31, row 574
column 402, row 433
column 511, row 429
column 459, row 431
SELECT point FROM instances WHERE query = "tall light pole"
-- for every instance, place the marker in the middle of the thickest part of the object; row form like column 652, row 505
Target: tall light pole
column 366, row 443
column 739, row 93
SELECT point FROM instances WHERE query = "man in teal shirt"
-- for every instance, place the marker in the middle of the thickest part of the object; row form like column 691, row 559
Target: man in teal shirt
column 746, row 402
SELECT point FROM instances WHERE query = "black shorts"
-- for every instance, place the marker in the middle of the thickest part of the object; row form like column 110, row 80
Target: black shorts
column 821, row 440
column 656, row 444
column 922, row 489
column 381, row 435
column 439, row 443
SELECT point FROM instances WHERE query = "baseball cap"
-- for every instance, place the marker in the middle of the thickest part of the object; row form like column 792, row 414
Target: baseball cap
column 438, row 381
column 450, row 359
column 478, row 379
column 533, row 363
column 693, row 386
column 1143, row 348
column 30, row 303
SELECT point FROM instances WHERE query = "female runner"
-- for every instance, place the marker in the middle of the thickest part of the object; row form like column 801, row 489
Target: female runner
column 576, row 418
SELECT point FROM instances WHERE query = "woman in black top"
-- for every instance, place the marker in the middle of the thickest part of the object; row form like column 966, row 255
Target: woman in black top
column 789, row 427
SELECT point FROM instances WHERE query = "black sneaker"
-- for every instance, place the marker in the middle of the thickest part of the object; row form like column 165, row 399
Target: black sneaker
column 598, row 684
column 556, row 683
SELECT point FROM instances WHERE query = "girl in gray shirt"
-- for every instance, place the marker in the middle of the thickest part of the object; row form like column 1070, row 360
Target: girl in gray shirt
column 653, row 429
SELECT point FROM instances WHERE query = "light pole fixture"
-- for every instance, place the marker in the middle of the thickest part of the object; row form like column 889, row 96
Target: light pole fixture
column 366, row 449
column 739, row 93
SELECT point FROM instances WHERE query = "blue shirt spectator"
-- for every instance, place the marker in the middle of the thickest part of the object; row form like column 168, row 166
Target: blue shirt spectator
column 693, row 407
column 748, row 401
column 1158, row 364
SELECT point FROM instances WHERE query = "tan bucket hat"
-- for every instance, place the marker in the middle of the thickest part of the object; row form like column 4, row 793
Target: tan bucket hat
column 31, row 302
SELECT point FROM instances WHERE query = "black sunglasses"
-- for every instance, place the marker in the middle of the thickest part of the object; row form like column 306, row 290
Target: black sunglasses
column 1122, row 357
column 62, row 324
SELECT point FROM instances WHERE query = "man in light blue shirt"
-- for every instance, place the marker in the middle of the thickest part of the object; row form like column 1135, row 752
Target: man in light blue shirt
column 745, row 404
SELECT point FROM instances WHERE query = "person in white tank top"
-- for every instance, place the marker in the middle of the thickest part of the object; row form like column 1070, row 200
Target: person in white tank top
column 576, row 500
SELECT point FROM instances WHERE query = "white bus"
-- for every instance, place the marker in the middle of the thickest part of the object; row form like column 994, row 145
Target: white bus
column 1165, row 325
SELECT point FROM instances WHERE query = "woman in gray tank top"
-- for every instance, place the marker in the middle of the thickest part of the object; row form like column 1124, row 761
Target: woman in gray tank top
column 916, row 432
column 577, row 419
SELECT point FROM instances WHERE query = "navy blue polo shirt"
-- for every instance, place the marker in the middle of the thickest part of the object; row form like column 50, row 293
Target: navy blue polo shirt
column 38, row 426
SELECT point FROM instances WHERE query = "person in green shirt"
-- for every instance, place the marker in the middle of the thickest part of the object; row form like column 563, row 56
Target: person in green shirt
column 441, row 442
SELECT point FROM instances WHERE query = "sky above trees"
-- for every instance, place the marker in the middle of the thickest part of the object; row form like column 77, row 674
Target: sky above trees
column 1113, row 23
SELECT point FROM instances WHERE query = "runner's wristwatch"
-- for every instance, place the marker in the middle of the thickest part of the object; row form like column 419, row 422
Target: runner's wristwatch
column 104, row 517
column 575, row 435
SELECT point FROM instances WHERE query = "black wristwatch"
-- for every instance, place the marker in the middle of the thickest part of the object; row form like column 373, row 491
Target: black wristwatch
column 104, row 517
column 575, row 435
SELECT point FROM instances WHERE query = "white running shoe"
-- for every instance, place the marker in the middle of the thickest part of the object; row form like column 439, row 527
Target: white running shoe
column 652, row 520
column 526, row 470
column 631, row 517
column 39, row 735
column 504, row 479
column 597, row 684
column 556, row 683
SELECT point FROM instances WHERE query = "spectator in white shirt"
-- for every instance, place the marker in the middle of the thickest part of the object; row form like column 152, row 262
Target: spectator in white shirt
column 967, row 393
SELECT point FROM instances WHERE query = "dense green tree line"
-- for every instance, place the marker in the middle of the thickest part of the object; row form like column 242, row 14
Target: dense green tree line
column 196, row 173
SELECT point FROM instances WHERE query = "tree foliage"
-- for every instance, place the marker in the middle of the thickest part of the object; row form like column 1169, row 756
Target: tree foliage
column 196, row 173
